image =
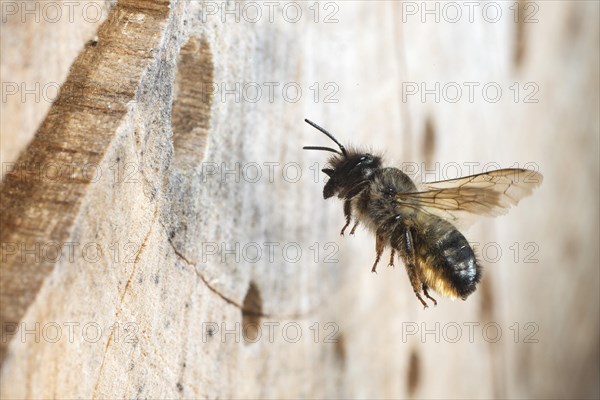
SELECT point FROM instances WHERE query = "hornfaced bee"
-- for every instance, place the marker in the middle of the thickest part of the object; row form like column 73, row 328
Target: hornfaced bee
column 419, row 223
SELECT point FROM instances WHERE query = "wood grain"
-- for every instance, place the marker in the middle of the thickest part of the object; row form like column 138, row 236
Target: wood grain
column 179, row 273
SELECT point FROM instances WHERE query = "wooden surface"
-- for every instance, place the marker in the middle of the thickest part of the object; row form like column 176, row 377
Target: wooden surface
column 53, row 37
column 149, row 145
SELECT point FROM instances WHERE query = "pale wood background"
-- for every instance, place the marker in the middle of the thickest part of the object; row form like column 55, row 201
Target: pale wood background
column 157, row 121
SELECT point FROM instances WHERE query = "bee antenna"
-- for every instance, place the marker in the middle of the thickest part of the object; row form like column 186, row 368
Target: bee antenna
column 322, row 148
column 328, row 135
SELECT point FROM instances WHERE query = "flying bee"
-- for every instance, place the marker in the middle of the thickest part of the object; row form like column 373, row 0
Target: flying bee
column 419, row 223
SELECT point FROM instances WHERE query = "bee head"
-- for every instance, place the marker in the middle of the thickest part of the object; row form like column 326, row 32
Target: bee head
column 347, row 168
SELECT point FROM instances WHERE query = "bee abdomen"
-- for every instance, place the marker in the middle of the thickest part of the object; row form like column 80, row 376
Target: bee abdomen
column 448, row 263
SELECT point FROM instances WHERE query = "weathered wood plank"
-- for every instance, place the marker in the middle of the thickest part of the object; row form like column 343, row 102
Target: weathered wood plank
column 162, row 197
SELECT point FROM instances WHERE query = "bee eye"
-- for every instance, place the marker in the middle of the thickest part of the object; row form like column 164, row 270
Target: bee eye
column 360, row 161
column 363, row 159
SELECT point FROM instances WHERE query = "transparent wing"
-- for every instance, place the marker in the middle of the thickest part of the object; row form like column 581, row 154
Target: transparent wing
column 489, row 194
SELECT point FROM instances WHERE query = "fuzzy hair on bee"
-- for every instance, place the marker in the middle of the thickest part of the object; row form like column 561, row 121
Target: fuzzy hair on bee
column 419, row 223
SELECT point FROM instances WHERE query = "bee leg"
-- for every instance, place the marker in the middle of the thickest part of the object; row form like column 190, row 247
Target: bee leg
column 379, row 245
column 391, row 264
column 348, row 204
column 354, row 229
column 415, row 282
column 427, row 295
column 347, row 214
column 407, row 252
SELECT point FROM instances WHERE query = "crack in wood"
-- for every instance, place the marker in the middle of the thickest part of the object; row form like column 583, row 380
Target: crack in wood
column 121, row 300
column 228, row 300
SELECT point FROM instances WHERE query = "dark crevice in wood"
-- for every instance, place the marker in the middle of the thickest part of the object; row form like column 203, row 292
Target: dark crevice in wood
column 340, row 349
column 251, row 312
column 520, row 38
column 192, row 100
column 429, row 141
column 414, row 373
column 245, row 310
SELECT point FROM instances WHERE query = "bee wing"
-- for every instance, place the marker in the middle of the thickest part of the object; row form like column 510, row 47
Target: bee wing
column 489, row 194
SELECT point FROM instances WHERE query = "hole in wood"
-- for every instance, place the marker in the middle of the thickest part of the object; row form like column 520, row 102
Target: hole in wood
column 192, row 99
column 487, row 301
column 520, row 39
column 340, row 349
column 251, row 312
column 429, row 139
column 414, row 373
